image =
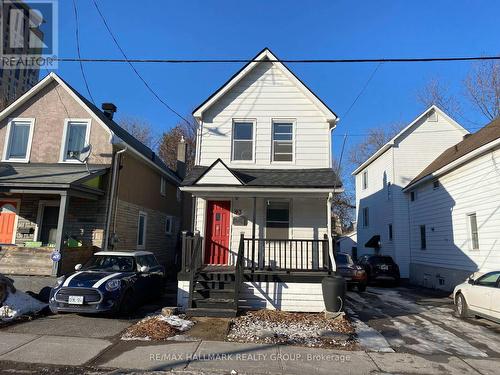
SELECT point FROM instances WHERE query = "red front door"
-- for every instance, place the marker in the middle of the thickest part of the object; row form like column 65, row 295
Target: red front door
column 217, row 236
column 7, row 221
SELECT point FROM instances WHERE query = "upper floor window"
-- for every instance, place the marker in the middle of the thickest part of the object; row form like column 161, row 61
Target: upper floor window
column 413, row 195
column 163, row 186
column 75, row 137
column 243, row 141
column 366, row 217
column 473, row 231
column 365, row 180
column 423, row 237
column 18, row 140
column 283, row 141
column 141, row 230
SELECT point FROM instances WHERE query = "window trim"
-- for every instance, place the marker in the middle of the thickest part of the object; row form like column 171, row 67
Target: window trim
column 163, row 186
column 6, row 147
column 171, row 229
column 64, row 142
column 470, row 239
column 144, row 237
column 293, row 122
column 254, row 126
column 364, row 181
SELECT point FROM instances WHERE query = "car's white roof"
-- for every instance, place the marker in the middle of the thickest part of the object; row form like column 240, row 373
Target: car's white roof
column 124, row 253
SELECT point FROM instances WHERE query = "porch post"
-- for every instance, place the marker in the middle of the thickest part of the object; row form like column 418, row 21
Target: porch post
column 63, row 209
column 329, row 229
column 253, row 231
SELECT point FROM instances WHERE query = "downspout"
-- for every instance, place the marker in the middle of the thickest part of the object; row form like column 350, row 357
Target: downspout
column 116, row 164
column 329, row 229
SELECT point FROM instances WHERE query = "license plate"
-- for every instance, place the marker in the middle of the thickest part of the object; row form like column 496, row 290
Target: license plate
column 75, row 300
column 384, row 267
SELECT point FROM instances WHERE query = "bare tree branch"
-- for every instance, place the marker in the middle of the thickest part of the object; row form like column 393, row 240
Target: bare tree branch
column 167, row 149
column 435, row 92
column 482, row 87
column 140, row 129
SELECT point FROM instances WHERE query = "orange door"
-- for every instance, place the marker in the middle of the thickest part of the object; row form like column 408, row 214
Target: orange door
column 217, row 236
column 7, row 221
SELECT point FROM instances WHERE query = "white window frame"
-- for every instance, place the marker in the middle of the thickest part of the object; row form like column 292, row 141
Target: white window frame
column 469, row 231
column 163, row 186
column 6, row 147
column 169, row 229
column 364, row 180
column 144, row 236
column 254, row 127
column 294, row 126
column 366, row 217
column 64, row 142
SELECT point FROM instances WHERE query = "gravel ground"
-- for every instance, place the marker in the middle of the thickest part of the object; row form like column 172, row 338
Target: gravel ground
column 302, row 329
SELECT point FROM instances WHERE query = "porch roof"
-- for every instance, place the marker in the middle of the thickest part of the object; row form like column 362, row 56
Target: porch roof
column 49, row 176
column 274, row 178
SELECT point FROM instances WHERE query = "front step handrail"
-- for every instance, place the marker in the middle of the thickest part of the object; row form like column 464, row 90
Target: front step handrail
column 239, row 270
column 194, row 267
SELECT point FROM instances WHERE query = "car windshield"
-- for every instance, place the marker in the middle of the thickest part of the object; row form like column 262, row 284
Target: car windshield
column 381, row 260
column 110, row 263
column 343, row 259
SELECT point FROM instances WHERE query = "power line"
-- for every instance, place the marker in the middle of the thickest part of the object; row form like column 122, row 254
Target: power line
column 77, row 37
column 416, row 132
column 126, row 59
column 291, row 61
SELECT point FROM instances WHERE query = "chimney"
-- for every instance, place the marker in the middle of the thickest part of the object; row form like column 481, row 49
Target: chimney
column 109, row 110
column 181, row 158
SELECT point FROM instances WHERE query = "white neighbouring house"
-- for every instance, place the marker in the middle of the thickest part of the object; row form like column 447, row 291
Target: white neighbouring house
column 381, row 205
column 262, row 188
column 455, row 212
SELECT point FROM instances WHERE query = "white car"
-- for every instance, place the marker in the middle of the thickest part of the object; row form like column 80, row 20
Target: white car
column 479, row 297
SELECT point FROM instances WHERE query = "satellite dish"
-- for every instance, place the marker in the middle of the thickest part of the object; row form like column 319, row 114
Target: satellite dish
column 84, row 155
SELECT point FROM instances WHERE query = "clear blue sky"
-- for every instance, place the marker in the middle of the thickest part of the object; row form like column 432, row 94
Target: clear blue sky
column 292, row 30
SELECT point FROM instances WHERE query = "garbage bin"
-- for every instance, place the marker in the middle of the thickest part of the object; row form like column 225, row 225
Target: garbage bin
column 334, row 288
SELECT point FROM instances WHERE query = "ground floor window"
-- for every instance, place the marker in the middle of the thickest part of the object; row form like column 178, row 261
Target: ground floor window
column 423, row 238
column 169, row 225
column 141, row 230
column 277, row 219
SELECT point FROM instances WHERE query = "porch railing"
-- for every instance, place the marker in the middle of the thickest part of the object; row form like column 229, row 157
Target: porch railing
column 286, row 254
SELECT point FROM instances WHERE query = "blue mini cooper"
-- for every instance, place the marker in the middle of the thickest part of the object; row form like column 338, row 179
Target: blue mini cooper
column 111, row 281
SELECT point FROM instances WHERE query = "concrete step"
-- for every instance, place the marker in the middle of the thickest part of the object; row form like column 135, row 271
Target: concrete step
column 212, row 312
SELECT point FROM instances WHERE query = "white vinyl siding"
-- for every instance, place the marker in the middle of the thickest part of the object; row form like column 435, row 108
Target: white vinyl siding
column 470, row 189
column 265, row 94
column 18, row 140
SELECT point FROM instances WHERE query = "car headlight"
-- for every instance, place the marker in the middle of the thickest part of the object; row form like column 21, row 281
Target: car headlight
column 59, row 281
column 113, row 285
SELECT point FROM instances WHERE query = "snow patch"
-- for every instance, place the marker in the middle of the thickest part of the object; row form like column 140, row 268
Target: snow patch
column 18, row 304
column 176, row 322
column 369, row 338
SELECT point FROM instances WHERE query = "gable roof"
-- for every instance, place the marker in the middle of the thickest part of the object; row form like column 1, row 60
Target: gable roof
column 464, row 149
column 229, row 173
column 113, row 128
column 262, row 56
column 403, row 132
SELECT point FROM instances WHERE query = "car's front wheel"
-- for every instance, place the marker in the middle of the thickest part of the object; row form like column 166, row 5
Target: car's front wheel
column 461, row 306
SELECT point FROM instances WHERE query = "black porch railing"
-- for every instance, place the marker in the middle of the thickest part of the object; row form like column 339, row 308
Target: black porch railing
column 286, row 254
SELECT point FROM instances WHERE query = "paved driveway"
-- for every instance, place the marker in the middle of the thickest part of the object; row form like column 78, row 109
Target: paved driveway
column 412, row 320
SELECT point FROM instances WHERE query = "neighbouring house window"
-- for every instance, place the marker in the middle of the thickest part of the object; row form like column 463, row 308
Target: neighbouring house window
column 20, row 134
column 423, row 238
column 178, row 195
column 277, row 219
column 389, row 190
column 141, row 230
column 163, row 186
column 435, row 184
column 413, row 195
column 169, row 225
column 76, row 134
column 473, row 231
column 243, row 140
column 365, row 180
column 366, row 217
column 390, row 232
column 282, row 141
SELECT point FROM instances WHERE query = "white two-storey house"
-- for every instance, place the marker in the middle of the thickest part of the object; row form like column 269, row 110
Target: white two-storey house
column 381, row 205
column 262, row 189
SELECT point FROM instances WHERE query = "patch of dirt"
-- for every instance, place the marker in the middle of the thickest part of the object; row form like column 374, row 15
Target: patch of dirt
column 157, row 328
column 302, row 329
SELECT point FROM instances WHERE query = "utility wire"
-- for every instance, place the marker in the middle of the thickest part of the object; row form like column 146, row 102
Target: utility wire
column 416, row 132
column 127, row 60
column 77, row 37
column 300, row 61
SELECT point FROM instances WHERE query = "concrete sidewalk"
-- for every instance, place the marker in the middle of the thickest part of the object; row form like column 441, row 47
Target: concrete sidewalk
column 223, row 357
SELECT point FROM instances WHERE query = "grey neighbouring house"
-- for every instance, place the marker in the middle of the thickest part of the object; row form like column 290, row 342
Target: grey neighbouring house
column 52, row 203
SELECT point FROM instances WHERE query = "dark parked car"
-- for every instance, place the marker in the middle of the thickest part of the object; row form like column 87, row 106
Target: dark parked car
column 353, row 274
column 380, row 268
column 111, row 281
